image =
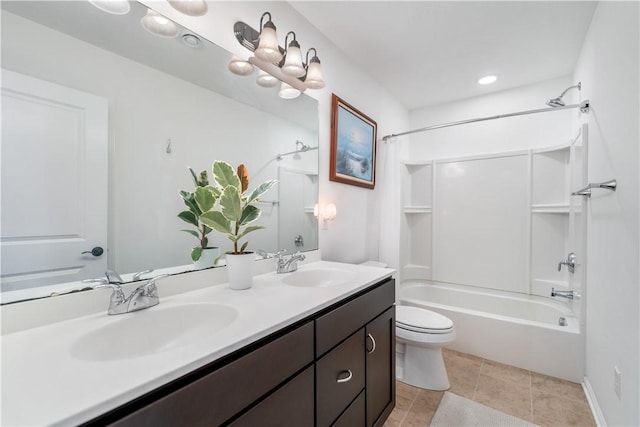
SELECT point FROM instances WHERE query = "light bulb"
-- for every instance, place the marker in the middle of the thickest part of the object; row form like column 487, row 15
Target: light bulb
column 240, row 66
column 265, row 79
column 268, row 48
column 288, row 92
column 293, row 61
column 159, row 25
column 314, row 78
column 190, row 7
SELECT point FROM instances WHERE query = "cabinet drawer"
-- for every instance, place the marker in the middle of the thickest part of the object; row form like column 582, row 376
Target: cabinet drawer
column 216, row 397
column 290, row 405
column 340, row 376
column 354, row 415
column 338, row 324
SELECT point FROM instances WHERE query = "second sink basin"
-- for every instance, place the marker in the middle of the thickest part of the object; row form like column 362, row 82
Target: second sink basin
column 318, row 277
column 153, row 330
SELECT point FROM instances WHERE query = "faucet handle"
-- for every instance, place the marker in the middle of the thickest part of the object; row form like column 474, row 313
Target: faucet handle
column 149, row 288
column 117, row 296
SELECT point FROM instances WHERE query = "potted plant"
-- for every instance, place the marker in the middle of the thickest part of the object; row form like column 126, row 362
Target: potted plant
column 201, row 200
column 237, row 211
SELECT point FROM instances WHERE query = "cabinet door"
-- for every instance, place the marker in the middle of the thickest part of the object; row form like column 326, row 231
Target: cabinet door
column 380, row 367
column 290, row 405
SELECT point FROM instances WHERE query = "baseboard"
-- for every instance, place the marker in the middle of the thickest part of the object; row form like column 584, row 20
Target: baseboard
column 593, row 403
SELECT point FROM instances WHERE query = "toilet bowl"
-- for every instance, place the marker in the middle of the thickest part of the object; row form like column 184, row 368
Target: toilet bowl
column 420, row 336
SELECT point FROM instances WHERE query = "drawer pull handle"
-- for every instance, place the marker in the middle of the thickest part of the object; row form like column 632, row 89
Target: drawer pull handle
column 373, row 341
column 345, row 379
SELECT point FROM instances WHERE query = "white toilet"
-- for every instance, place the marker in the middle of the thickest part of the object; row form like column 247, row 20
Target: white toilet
column 420, row 336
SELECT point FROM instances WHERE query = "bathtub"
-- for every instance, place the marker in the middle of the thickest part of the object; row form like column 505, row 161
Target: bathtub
column 519, row 330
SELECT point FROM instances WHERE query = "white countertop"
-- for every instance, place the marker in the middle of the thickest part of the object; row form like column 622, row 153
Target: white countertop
column 43, row 383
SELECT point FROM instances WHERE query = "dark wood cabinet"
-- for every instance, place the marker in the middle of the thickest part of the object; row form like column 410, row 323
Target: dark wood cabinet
column 336, row 367
column 380, row 366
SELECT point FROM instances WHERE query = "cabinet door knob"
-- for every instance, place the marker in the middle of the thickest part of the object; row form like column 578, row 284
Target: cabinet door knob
column 344, row 379
column 373, row 343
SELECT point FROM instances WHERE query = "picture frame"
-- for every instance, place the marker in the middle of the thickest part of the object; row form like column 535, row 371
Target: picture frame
column 353, row 145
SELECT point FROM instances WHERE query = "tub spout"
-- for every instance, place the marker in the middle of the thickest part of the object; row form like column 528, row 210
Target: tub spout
column 564, row 294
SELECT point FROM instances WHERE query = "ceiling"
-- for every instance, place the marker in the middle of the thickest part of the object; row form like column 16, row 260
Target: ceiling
column 431, row 52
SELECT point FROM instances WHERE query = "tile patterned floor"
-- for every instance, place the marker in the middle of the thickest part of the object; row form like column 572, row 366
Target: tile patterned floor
column 542, row 400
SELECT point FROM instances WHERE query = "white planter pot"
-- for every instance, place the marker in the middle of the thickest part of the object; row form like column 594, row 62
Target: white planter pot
column 207, row 258
column 240, row 270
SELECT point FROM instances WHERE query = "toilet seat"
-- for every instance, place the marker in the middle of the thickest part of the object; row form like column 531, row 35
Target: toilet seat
column 422, row 321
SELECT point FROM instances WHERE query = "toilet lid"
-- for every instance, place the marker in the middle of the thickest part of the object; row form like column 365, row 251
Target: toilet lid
column 420, row 319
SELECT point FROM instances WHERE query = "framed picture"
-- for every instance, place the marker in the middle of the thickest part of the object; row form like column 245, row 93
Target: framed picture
column 353, row 145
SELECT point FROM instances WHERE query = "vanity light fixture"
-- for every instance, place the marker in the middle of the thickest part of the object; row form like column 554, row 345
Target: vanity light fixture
column 190, row 7
column 285, row 65
column 115, row 7
column 159, row 25
column 487, row 80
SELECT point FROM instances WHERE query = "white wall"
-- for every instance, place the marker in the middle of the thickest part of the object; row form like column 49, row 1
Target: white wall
column 493, row 136
column 608, row 69
column 354, row 234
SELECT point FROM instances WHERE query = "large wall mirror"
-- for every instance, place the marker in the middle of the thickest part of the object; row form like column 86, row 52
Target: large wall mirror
column 153, row 107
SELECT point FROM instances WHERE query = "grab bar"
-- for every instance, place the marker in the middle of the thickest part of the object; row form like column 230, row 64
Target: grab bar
column 586, row 191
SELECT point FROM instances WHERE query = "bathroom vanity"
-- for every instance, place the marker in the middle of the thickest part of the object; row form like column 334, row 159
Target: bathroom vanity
column 290, row 353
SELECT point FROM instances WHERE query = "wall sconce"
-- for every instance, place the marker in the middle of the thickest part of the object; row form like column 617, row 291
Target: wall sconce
column 327, row 214
column 285, row 64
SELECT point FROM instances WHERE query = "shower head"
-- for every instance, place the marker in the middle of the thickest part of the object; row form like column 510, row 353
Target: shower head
column 558, row 102
column 555, row 102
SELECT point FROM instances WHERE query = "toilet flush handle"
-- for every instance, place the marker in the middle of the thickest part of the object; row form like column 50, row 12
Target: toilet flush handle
column 373, row 342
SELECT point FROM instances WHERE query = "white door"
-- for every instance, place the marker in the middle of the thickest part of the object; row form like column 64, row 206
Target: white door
column 53, row 183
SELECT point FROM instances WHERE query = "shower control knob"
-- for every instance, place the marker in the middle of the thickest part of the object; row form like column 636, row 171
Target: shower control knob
column 570, row 262
column 97, row 251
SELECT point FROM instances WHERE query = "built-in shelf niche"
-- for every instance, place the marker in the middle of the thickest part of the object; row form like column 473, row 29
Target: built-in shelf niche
column 550, row 183
column 417, row 220
column 417, row 187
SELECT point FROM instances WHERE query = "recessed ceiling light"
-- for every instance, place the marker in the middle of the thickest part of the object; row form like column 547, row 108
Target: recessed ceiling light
column 487, row 80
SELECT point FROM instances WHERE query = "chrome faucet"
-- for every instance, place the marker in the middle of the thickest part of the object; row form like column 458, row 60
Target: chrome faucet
column 113, row 276
column 570, row 262
column 288, row 265
column 144, row 296
column 564, row 294
column 139, row 274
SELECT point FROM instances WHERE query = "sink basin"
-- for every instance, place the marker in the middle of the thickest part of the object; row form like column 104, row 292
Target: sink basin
column 318, row 277
column 153, row 330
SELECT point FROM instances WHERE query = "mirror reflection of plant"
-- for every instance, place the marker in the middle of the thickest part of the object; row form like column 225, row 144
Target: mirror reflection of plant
column 201, row 200
column 236, row 209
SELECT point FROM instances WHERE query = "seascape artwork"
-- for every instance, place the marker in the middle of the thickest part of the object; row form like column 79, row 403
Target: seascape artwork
column 355, row 152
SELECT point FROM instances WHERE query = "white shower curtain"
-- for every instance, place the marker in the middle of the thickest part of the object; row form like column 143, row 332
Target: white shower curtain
column 388, row 201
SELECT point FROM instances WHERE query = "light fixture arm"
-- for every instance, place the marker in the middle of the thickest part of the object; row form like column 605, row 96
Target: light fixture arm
column 262, row 17
column 315, row 56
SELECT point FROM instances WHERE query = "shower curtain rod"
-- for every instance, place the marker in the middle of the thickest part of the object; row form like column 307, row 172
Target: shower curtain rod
column 584, row 107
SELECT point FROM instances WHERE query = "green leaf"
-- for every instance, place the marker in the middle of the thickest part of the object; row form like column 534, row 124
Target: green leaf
column 194, row 176
column 188, row 216
column 194, row 233
column 225, row 175
column 190, row 202
column 207, row 230
column 261, row 189
column 249, row 214
column 204, row 199
column 196, row 253
column 243, row 247
column 230, row 204
column 249, row 230
column 217, row 221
